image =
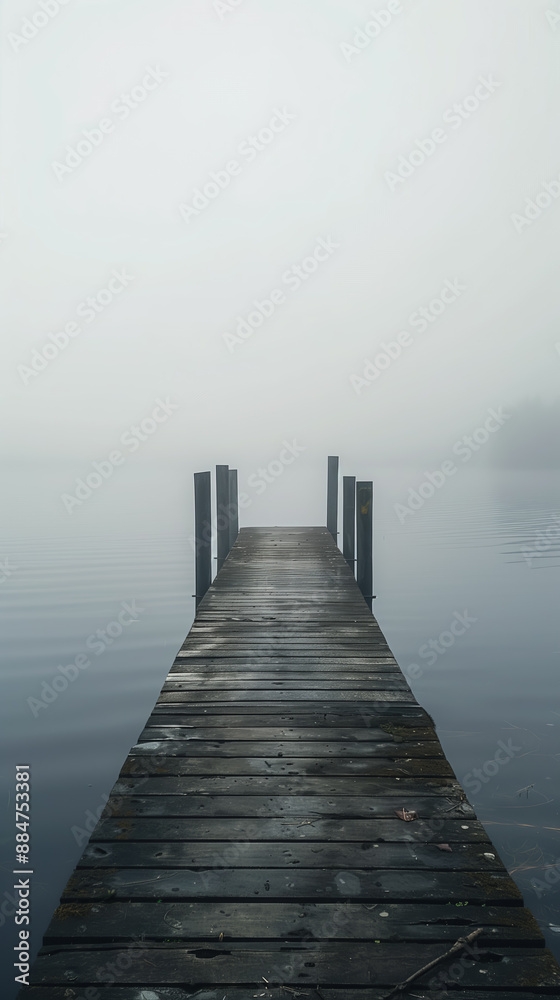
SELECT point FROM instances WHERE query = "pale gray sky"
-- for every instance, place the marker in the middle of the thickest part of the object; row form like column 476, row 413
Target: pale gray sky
column 346, row 110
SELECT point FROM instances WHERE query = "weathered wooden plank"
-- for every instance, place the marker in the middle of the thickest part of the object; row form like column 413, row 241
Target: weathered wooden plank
column 273, row 993
column 223, row 667
column 156, row 761
column 182, row 682
column 273, row 606
column 327, row 651
column 326, row 606
column 159, row 731
column 296, row 964
column 344, row 631
column 351, row 668
column 255, row 670
column 383, row 714
column 262, row 623
column 243, row 696
column 365, row 713
column 257, row 613
column 474, row 856
column 313, row 587
column 347, row 634
column 365, row 639
column 285, row 618
column 255, row 829
column 222, row 747
column 269, row 600
column 296, row 785
column 302, row 786
column 298, row 614
column 281, row 661
column 262, row 581
column 242, row 656
column 365, row 655
column 281, row 648
column 472, row 887
column 370, row 647
column 306, row 806
column 317, row 721
column 312, row 596
column 258, row 621
column 269, row 643
column 347, row 631
column 255, row 774
column 200, row 921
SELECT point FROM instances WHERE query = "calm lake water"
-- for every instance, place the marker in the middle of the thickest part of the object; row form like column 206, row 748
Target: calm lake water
column 486, row 547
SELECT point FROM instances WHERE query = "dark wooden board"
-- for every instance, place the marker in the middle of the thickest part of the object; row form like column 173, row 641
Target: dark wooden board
column 388, row 682
column 307, row 806
column 317, row 727
column 269, row 601
column 277, row 993
column 160, row 729
column 296, row 615
column 298, row 785
column 225, row 670
column 222, row 747
column 157, row 761
column 201, row 921
column 435, row 829
column 348, row 638
column 341, row 626
column 184, row 670
column 279, row 648
column 363, row 645
column 415, row 728
column 310, row 695
column 250, row 776
column 366, row 855
column 305, row 664
column 255, row 829
column 382, row 714
column 379, row 714
column 378, row 886
column 295, row 964
column 227, row 645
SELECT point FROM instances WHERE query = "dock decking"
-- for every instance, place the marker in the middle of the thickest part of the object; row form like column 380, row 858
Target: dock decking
column 251, row 846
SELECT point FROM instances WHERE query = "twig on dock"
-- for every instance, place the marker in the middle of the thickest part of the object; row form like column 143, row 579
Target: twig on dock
column 158, row 878
column 459, row 944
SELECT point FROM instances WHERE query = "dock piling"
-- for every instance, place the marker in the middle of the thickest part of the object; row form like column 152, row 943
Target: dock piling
column 332, row 495
column 349, row 520
column 364, row 537
column 222, row 507
column 233, row 512
column 203, row 533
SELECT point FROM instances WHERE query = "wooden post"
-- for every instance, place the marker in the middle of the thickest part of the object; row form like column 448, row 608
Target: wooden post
column 349, row 520
column 364, row 535
column 203, row 534
column 233, row 507
column 332, row 496
column 222, row 511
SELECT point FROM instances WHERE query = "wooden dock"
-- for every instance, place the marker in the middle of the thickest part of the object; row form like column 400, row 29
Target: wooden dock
column 288, row 825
